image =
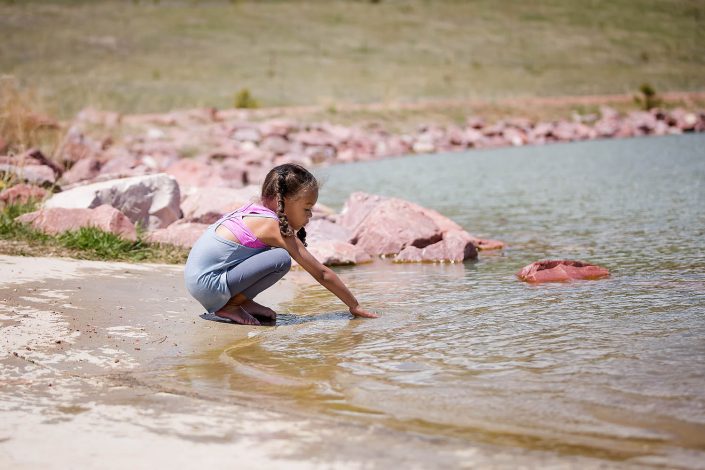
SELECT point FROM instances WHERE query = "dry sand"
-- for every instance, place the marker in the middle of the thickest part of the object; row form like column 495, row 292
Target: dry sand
column 86, row 352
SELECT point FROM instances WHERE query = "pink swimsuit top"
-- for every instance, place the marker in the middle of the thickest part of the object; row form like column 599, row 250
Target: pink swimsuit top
column 234, row 223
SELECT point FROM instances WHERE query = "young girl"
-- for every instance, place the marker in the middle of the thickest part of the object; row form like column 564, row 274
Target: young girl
column 250, row 249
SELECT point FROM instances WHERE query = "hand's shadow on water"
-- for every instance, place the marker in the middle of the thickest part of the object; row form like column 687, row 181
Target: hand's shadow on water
column 285, row 318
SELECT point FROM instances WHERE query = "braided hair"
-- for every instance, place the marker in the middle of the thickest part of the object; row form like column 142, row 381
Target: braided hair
column 287, row 180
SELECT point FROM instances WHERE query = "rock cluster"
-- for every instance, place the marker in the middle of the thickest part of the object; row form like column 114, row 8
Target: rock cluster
column 212, row 148
column 173, row 174
column 369, row 225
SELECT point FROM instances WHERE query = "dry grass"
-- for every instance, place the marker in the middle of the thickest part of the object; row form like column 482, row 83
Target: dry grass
column 158, row 56
column 23, row 124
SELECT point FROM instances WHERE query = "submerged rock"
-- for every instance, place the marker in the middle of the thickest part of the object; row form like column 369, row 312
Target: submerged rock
column 56, row 220
column 561, row 270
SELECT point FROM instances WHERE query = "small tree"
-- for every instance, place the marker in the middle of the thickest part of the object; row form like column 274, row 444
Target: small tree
column 647, row 98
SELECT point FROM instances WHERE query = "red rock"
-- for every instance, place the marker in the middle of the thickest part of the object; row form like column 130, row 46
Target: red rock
column 390, row 225
column 21, row 194
column 455, row 247
column 484, row 244
column 119, row 165
column 190, row 172
column 314, row 138
column 376, row 227
column 683, row 119
column 318, row 154
column 337, row 253
column 36, row 157
column 85, row 169
column 76, row 146
column 323, row 229
column 246, row 134
column 95, row 117
column 34, row 174
column 280, row 127
column 206, row 205
column 58, row 220
column 275, row 144
column 179, row 233
column 560, row 270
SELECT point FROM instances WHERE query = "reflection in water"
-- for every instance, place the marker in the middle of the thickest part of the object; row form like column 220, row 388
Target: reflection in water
column 609, row 368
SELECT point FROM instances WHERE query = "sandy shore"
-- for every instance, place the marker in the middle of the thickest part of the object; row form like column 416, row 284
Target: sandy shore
column 87, row 350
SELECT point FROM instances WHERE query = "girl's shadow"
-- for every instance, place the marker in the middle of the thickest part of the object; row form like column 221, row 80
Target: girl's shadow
column 285, row 318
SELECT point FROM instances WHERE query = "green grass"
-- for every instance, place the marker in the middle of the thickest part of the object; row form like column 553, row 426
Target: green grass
column 157, row 56
column 85, row 243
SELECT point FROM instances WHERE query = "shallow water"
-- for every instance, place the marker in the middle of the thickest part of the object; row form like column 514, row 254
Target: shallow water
column 612, row 369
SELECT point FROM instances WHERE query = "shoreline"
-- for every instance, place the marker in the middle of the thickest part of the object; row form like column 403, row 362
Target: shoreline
column 66, row 401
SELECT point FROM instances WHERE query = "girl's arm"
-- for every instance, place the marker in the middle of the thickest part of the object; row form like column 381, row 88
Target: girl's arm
column 324, row 275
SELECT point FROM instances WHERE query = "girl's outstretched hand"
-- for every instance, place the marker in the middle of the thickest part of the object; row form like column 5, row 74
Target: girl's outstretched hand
column 360, row 312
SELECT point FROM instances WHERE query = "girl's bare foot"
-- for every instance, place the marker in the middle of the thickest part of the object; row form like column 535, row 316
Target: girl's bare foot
column 260, row 310
column 237, row 314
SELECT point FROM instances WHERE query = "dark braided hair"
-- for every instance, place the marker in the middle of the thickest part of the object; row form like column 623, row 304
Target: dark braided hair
column 287, row 180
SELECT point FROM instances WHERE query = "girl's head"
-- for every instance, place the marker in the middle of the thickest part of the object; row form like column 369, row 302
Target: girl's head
column 293, row 190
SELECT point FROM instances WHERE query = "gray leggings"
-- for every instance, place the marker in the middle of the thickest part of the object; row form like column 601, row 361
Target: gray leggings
column 258, row 272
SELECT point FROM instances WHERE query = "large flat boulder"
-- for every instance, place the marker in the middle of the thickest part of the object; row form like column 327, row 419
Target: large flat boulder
column 151, row 200
column 385, row 226
column 183, row 234
column 56, row 220
column 560, row 271
column 455, row 247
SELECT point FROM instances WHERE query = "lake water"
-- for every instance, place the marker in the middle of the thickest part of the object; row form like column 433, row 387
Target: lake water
column 611, row 369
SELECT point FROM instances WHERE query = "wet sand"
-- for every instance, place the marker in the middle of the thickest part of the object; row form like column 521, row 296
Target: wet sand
column 86, row 349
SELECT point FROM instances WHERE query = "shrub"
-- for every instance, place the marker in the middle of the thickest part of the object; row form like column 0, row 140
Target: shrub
column 647, row 98
column 244, row 99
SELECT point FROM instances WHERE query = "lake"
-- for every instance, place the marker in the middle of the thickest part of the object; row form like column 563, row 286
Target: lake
column 611, row 369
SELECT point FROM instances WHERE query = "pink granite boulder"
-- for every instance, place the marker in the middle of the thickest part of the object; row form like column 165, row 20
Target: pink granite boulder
column 58, row 220
column 189, row 172
column 206, row 205
column 561, row 271
column 183, row 234
column 387, row 226
column 150, row 200
column 455, row 247
column 22, row 194
column 31, row 167
column 484, row 244
column 392, row 225
column 84, row 169
column 328, row 243
column 338, row 253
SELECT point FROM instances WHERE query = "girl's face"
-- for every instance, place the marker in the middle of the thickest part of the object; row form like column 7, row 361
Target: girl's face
column 298, row 208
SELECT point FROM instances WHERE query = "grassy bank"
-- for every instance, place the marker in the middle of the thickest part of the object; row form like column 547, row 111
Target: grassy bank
column 160, row 55
column 87, row 243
